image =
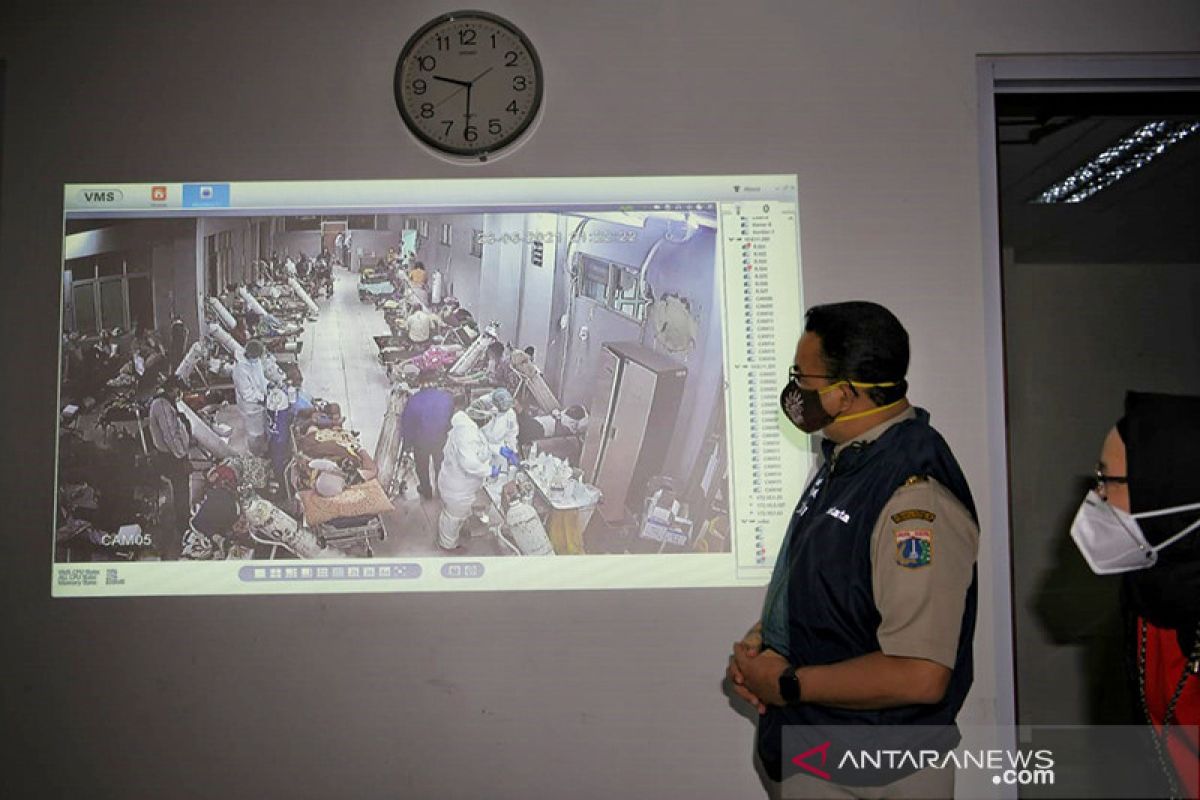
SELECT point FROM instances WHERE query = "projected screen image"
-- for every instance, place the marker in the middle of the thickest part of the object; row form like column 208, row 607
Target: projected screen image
column 425, row 385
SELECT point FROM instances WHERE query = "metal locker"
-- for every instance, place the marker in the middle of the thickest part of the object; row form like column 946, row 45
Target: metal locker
column 632, row 421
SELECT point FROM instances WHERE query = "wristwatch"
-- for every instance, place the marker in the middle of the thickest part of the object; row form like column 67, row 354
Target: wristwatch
column 789, row 687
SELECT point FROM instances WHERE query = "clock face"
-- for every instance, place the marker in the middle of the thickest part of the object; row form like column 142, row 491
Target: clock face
column 468, row 84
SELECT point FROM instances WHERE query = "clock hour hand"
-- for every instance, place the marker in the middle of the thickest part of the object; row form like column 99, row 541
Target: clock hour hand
column 464, row 84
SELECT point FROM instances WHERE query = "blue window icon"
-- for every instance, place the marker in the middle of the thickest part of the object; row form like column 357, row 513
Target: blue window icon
column 205, row 195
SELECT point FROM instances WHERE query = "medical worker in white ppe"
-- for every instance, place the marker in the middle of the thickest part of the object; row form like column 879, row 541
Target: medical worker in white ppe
column 501, row 431
column 466, row 462
column 250, row 385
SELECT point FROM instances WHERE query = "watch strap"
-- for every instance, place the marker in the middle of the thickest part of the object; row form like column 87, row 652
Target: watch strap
column 789, row 687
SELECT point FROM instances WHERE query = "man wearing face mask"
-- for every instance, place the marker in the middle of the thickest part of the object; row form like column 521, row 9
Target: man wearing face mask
column 869, row 616
column 1142, row 519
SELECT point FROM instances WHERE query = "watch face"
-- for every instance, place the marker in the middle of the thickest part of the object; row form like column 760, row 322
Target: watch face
column 468, row 83
column 789, row 687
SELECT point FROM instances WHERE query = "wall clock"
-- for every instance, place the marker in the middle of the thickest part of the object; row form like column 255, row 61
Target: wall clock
column 468, row 84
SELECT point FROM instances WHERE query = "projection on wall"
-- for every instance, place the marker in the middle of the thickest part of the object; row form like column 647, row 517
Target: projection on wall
column 462, row 385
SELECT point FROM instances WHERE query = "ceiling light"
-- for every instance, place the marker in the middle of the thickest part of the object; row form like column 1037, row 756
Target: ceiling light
column 1124, row 157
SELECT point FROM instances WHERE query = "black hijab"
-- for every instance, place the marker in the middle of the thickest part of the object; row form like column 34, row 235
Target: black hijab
column 1162, row 451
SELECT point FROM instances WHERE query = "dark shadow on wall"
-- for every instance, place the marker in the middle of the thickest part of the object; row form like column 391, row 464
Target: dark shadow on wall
column 1079, row 609
column 3, row 66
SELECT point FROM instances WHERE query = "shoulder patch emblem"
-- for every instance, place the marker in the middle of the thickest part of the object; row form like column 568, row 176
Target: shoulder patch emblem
column 913, row 513
column 914, row 548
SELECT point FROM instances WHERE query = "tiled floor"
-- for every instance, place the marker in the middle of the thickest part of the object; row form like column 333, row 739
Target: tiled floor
column 339, row 359
column 340, row 363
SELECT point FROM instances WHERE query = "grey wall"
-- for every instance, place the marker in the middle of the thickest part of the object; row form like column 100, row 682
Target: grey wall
column 368, row 246
column 172, row 248
column 174, row 264
column 243, row 244
column 495, row 293
column 296, row 242
column 1079, row 336
column 532, row 326
column 457, row 257
column 595, row 694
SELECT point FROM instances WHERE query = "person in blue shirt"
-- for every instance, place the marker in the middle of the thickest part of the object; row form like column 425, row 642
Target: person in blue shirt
column 870, row 614
column 424, row 425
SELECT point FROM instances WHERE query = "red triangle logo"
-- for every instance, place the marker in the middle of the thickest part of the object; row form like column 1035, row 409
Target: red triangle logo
column 802, row 760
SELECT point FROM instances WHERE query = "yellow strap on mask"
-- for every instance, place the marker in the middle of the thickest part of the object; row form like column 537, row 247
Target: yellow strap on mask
column 857, row 385
column 860, row 385
column 860, row 414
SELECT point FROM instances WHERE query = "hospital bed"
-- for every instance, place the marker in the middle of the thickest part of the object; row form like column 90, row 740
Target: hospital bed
column 347, row 520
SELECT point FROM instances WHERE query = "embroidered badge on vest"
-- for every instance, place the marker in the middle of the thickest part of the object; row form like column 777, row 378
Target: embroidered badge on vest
column 914, row 548
column 913, row 513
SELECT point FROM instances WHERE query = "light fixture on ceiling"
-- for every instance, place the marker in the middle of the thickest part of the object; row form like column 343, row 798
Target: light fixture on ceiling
column 1126, row 156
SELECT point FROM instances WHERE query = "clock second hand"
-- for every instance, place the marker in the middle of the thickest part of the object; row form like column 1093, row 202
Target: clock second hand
column 460, row 84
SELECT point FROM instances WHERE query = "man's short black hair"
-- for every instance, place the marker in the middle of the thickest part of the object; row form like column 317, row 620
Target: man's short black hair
column 173, row 383
column 862, row 341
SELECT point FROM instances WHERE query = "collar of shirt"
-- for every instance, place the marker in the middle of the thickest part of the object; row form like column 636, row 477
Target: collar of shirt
column 871, row 434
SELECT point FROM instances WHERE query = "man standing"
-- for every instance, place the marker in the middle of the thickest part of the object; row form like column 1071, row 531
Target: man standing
column 250, row 385
column 170, row 459
column 870, row 613
column 423, row 428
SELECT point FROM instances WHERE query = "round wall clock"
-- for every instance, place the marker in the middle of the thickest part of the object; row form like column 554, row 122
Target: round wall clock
column 468, row 84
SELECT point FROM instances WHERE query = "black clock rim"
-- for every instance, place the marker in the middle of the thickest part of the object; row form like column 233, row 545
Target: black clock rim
column 473, row 152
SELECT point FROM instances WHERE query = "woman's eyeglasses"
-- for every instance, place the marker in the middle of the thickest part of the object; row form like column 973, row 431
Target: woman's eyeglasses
column 1102, row 480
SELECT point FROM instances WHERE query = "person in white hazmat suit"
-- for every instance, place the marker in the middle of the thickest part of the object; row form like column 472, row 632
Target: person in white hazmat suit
column 501, row 431
column 250, row 385
column 466, row 462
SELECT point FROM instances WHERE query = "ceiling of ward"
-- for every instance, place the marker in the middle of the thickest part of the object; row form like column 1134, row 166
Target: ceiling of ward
column 1150, row 216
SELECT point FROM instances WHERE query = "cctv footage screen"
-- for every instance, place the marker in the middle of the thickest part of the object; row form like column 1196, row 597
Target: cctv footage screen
column 458, row 385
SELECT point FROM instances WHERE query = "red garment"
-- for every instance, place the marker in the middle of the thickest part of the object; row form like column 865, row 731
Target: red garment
column 1164, row 665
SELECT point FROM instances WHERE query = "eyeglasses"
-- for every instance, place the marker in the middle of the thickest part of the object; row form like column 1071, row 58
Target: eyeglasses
column 794, row 375
column 1103, row 480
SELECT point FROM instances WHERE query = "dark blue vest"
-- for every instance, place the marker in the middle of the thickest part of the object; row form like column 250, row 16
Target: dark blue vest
column 831, row 609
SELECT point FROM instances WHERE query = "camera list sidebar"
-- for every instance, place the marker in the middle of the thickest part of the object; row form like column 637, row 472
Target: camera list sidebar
column 763, row 312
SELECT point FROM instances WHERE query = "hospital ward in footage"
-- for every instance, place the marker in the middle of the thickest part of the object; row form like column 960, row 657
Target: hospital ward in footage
column 347, row 385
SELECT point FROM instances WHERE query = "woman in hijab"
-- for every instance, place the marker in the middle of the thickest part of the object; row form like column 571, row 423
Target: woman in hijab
column 1143, row 520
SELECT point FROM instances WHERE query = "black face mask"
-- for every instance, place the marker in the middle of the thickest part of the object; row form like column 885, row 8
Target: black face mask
column 803, row 407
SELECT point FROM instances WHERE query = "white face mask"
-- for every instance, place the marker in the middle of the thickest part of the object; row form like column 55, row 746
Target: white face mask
column 1112, row 541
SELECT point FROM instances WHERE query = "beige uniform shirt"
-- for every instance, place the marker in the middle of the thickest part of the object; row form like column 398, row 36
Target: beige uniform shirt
column 923, row 552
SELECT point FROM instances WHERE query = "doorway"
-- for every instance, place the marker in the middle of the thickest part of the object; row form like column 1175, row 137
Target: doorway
column 1090, row 292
